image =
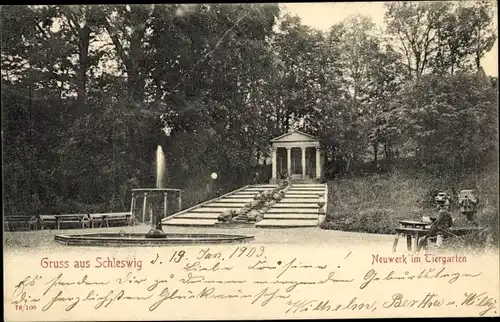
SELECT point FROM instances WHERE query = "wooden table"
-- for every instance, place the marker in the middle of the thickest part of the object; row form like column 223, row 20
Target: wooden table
column 413, row 230
column 413, row 224
column 416, row 233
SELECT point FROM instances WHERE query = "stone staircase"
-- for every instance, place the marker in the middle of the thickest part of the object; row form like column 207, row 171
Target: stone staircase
column 298, row 208
column 206, row 213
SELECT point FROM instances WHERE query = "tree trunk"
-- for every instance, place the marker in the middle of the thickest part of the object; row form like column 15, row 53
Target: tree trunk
column 81, row 77
column 132, row 61
column 375, row 153
column 348, row 164
column 136, row 76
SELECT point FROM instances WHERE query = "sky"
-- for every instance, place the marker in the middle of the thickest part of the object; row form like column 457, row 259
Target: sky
column 323, row 15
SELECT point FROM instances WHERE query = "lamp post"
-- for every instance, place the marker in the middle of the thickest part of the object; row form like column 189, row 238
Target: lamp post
column 214, row 177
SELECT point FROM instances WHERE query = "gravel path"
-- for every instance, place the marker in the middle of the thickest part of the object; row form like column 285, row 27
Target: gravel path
column 44, row 239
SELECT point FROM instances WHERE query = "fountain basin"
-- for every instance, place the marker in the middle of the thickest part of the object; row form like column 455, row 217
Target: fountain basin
column 139, row 239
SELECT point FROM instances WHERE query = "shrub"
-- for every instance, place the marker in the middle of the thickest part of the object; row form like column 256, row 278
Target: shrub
column 476, row 241
column 375, row 203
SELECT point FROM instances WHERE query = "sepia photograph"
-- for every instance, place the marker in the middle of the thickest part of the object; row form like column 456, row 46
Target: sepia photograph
column 253, row 161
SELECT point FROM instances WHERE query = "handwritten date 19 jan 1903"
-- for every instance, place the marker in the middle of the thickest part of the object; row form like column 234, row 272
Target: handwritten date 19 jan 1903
column 207, row 254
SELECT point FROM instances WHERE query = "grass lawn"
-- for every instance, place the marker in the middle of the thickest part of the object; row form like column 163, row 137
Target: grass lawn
column 373, row 204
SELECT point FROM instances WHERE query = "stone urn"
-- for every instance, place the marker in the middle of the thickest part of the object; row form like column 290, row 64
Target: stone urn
column 321, row 210
column 321, row 201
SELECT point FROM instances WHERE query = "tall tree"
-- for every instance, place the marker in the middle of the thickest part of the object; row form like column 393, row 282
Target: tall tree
column 477, row 19
column 128, row 28
column 81, row 24
column 414, row 26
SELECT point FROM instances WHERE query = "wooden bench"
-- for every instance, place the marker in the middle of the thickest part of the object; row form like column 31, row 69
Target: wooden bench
column 97, row 220
column 20, row 222
column 47, row 221
column 80, row 219
column 117, row 218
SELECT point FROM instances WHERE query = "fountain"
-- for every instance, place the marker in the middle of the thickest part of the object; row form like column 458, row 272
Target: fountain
column 156, row 203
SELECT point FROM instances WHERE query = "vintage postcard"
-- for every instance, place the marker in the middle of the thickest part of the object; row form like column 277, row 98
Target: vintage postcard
column 327, row 160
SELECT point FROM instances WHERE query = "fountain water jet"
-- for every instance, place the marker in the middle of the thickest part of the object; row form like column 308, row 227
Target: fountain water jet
column 160, row 167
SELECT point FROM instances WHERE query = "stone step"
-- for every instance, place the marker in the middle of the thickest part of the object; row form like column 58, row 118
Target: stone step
column 234, row 200
column 264, row 186
column 291, row 216
column 204, row 208
column 300, row 200
column 301, row 196
column 284, row 204
column 305, row 193
column 273, row 223
column 226, row 204
column 243, row 193
column 189, row 222
column 292, row 211
column 199, row 215
column 259, row 189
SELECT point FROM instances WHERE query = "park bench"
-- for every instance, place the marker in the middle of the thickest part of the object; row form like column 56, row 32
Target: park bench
column 80, row 219
column 118, row 218
column 20, row 222
column 47, row 221
column 97, row 220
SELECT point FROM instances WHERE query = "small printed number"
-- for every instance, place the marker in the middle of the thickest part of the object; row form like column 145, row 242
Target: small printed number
column 25, row 307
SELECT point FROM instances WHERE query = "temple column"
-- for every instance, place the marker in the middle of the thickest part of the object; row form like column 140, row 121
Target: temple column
column 303, row 162
column 323, row 162
column 318, row 163
column 144, row 204
column 289, row 161
column 274, row 162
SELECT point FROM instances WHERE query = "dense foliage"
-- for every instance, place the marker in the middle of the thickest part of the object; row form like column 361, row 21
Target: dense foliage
column 88, row 92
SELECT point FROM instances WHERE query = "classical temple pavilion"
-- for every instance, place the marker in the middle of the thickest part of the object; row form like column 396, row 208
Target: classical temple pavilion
column 300, row 155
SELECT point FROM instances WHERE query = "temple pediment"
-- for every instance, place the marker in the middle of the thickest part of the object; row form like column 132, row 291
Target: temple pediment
column 294, row 136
